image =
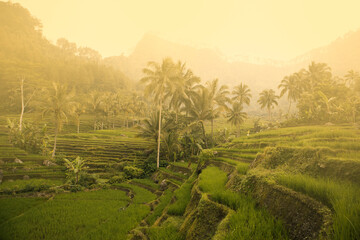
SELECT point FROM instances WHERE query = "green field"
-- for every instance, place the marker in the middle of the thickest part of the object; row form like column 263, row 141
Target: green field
column 302, row 159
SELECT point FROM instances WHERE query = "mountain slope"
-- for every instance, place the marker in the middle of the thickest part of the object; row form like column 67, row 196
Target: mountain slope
column 341, row 55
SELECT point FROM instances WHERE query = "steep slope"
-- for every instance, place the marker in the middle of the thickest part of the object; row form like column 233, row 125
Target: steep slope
column 25, row 53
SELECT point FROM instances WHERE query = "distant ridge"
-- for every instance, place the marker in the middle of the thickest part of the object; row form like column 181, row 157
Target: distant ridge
column 341, row 55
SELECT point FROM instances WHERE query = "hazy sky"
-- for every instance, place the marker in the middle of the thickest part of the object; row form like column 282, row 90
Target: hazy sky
column 278, row 29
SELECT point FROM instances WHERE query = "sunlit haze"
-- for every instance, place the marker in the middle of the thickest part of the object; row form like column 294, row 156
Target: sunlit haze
column 278, row 29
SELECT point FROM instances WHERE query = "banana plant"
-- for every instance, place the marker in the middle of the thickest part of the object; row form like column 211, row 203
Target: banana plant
column 75, row 167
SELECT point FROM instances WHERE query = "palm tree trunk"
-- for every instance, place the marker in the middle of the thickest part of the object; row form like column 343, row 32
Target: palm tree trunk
column 56, row 133
column 78, row 125
column 22, row 104
column 159, row 136
column 203, row 128
column 212, row 132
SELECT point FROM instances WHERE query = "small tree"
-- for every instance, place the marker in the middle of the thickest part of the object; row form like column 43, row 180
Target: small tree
column 75, row 167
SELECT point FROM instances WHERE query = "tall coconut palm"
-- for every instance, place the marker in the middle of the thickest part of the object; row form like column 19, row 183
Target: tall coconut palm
column 218, row 97
column 317, row 74
column 159, row 80
column 58, row 103
column 94, row 103
column 180, row 94
column 235, row 115
column 268, row 99
column 242, row 94
column 290, row 86
column 352, row 78
column 200, row 109
column 77, row 110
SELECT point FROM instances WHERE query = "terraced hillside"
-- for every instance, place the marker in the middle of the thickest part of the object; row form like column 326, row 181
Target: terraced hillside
column 115, row 213
column 16, row 164
column 296, row 183
column 105, row 149
column 317, row 166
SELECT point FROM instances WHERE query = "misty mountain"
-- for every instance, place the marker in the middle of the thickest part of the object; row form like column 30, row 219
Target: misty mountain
column 26, row 53
column 341, row 55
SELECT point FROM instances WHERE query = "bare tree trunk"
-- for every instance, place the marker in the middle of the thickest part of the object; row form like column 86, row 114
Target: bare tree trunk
column 78, row 125
column 159, row 136
column 22, row 104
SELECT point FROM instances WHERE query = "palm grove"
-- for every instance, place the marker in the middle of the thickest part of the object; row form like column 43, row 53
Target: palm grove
column 175, row 108
column 64, row 83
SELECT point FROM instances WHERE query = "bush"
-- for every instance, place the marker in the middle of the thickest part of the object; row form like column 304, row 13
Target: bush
column 117, row 179
column 206, row 155
column 133, row 172
column 76, row 188
column 86, row 180
column 119, row 166
column 31, row 138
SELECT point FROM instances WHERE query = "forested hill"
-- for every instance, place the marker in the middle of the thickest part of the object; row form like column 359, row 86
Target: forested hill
column 25, row 53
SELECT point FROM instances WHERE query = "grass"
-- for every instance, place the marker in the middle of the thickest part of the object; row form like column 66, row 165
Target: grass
column 141, row 195
column 164, row 201
column 147, row 182
column 182, row 195
column 67, row 216
column 343, row 198
column 164, row 233
column 248, row 222
column 28, row 185
column 12, row 207
column 343, row 140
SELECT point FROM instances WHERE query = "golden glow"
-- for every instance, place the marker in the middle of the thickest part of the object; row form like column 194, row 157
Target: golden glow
column 278, row 29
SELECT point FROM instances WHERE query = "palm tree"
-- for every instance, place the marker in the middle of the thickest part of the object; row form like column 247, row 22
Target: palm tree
column 316, row 74
column 159, row 80
column 290, row 86
column 235, row 115
column 183, row 90
column 77, row 110
column 352, row 78
column 217, row 101
column 58, row 103
column 200, row 109
column 95, row 102
column 242, row 94
column 268, row 99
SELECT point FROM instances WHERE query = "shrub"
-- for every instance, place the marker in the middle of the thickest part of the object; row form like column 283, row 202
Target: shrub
column 206, row 155
column 117, row 179
column 86, row 180
column 31, row 138
column 119, row 166
column 133, row 172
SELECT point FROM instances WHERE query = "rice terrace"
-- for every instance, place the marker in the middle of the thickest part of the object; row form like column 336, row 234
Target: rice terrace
column 173, row 141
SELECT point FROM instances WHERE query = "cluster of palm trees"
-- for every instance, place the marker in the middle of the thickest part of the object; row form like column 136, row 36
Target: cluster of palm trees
column 61, row 103
column 176, row 89
column 322, row 97
column 106, row 107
